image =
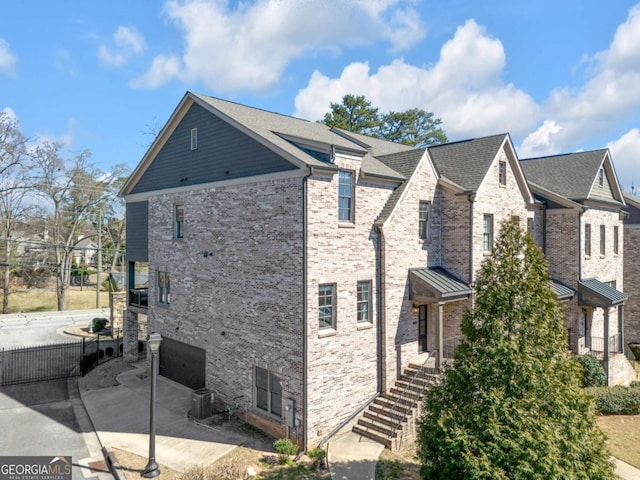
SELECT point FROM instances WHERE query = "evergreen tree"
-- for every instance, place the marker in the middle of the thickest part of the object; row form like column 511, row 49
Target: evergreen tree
column 415, row 127
column 511, row 406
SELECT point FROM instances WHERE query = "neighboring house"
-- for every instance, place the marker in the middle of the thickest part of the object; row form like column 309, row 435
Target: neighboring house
column 299, row 270
column 632, row 268
column 85, row 251
column 581, row 232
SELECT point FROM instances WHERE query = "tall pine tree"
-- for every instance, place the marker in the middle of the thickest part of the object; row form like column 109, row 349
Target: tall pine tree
column 511, row 406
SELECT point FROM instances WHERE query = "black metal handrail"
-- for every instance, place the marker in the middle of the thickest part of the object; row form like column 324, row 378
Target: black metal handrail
column 394, row 408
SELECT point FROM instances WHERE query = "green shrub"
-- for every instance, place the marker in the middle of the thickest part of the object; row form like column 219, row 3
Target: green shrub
column 635, row 384
column 593, row 374
column 285, row 448
column 317, row 455
column 617, row 400
column 99, row 324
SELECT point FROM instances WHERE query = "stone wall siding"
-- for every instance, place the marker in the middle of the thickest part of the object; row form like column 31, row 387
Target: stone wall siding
column 501, row 201
column 342, row 362
column 404, row 249
column 632, row 282
column 236, row 283
column 607, row 267
column 562, row 245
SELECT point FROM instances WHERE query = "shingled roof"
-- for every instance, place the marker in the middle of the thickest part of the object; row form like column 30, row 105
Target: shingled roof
column 633, row 209
column 466, row 163
column 570, row 175
column 273, row 126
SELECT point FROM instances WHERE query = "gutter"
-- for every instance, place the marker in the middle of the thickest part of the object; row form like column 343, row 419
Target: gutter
column 471, row 197
column 305, row 346
column 382, row 351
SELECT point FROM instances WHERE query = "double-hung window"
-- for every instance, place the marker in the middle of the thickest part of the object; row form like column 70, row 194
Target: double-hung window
column 587, row 239
column 178, row 225
column 345, row 196
column 603, row 236
column 423, row 219
column 487, row 233
column 327, row 306
column 164, row 288
column 268, row 392
column 364, row 302
column 616, row 244
column 194, row 139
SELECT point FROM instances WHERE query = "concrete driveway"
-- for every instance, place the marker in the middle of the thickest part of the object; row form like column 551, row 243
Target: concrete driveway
column 120, row 416
column 41, row 419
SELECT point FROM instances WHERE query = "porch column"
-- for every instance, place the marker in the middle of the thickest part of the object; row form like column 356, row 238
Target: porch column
column 606, row 342
column 439, row 335
column 621, row 326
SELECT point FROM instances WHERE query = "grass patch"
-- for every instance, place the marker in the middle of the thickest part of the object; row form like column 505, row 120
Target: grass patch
column 623, row 437
column 44, row 300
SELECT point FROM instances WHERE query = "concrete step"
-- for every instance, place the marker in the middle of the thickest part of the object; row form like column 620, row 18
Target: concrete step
column 383, row 411
column 373, row 435
column 399, row 399
column 386, row 430
column 417, row 386
column 390, row 403
column 406, row 392
column 384, row 418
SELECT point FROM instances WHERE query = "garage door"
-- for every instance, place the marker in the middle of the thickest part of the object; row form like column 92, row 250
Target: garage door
column 183, row 363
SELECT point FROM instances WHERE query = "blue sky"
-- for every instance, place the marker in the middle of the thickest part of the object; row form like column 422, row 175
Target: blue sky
column 560, row 76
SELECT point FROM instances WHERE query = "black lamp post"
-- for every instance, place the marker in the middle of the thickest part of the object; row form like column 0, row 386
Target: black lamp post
column 152, row 469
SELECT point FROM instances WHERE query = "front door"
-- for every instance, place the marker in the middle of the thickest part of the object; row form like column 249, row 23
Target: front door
column 422, row 328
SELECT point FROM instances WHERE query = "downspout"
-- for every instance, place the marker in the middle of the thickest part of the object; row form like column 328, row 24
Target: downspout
column 471, row 197
column 382, row 329
column 305, row 346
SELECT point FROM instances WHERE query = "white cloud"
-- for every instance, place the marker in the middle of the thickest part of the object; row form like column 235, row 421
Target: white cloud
column 7, row 59
column 464, row 88
column 541, row 142
column 610, row 92
column 10, row 114
column 128, row 42
column 163, row 69
column 625, row 153
column 65, row 139
column 247, row 48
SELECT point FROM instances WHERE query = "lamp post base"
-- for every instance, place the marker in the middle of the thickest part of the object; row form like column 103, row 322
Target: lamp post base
column 152, row 470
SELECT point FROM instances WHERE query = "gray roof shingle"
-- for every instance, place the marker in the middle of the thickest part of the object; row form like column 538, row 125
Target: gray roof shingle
column 467, row 162
column 570, row 175
column 632, row 208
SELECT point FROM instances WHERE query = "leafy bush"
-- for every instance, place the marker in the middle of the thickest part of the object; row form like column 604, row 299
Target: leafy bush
column 285, row 448
column 593, row 374
column 617, row 400
column 317, row 455
column 99, row 324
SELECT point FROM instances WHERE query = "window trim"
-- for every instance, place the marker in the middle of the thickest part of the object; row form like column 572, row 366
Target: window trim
column 269, row 390
column 332, row 326
column 603, row 240
column 163, row 287
column 587, row 239
column 423, row 224
column 194, row 139
column 487, row 236
column 351, row 197
column 502, row 173
column 360, row 302
column 178, row 224
column 601, row 177
column 616, row 240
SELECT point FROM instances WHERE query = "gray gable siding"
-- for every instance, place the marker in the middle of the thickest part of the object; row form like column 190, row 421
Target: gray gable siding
column 603, row 192
column 223, row 153
column 632, row 209
column 138, row 232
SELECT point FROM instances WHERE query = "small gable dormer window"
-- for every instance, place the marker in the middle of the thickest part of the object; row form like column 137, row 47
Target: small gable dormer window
column 601, row 177
column 194, row 138
column 502, row 173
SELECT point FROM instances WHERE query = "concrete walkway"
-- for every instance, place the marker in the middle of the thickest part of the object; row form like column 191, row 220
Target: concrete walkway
column 120, row 416
column 626, row 471
column 353, row 457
